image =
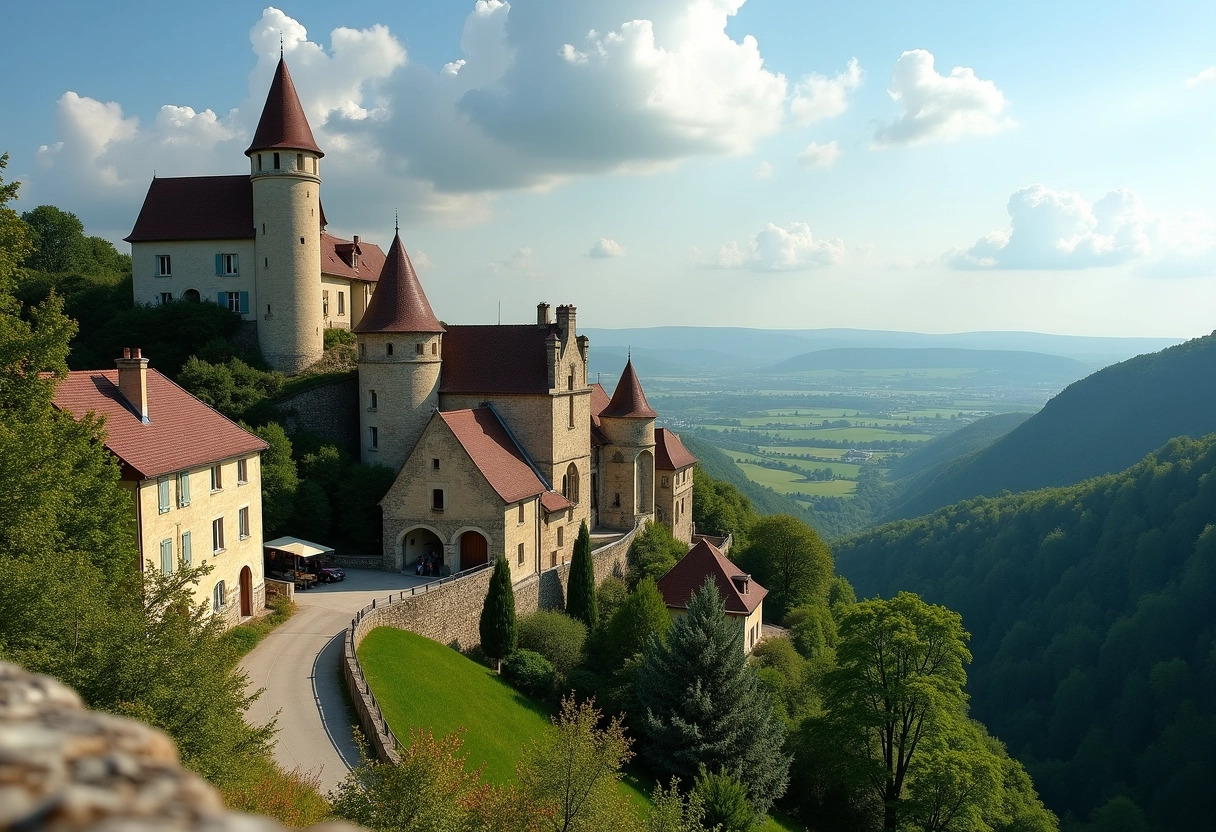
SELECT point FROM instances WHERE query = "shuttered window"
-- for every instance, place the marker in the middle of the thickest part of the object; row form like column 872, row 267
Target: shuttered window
column 162, row 487
column 166, row 556
column 183, row 489
column 187, row 548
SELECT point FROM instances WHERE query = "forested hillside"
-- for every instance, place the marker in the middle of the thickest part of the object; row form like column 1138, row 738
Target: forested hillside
column 1092, row 613
column 1098, row 425
column 931, row 458
column 1036, row 365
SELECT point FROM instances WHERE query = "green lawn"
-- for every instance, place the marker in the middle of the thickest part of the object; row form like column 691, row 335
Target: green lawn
column 788, row 482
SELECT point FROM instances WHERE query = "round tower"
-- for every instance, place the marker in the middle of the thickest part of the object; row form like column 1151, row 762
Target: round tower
column 400, row 344
column 285, row 172
column 627, row 461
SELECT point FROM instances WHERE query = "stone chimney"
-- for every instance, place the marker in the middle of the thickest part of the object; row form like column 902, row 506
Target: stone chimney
column 133, row 381
column 565, row 321
column 542, row 314
column 354, row 254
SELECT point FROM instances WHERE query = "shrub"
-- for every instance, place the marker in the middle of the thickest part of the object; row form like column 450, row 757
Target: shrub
column 530, row 672
column 610, row 595
column 556, row 636
column 652, row 553
column 333, row 337
column 725, row 801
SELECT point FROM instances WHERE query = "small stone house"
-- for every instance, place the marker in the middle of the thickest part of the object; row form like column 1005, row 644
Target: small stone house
column 193, row 474
column 744, row 598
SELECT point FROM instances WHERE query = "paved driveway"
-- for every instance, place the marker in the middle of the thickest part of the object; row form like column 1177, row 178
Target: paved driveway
column 298, row 666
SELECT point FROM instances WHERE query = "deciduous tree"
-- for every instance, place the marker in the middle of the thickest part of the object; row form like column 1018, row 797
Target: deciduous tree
column 652, row 553
column 787, row 558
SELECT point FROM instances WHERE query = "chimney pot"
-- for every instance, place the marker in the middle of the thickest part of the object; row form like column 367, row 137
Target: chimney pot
column 133, row 381
column 126, row 352
column 542, row 314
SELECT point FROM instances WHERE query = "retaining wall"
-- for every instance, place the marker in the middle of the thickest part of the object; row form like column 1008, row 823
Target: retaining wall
column 331, row 411
column 448, row 611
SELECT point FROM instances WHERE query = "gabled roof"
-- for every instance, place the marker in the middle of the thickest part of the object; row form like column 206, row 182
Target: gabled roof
column 195, row 208
column 495, row 359
column 628, row 400
column 705, row 561
column 399, row 304
column 551, row 501
column 336, row 258
column 496, row 456
column 181, row 433
column 669, row 452
column 283, row 123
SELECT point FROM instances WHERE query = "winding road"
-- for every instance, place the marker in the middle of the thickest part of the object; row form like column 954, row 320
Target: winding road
column 297, row 665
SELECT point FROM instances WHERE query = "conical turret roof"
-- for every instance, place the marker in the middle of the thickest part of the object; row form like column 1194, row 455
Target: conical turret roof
column 398, row 304
column 283, row 123
column 628, row 400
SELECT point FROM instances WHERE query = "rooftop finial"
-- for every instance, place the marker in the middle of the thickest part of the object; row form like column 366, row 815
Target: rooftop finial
column 396, row 223
column 280, row 44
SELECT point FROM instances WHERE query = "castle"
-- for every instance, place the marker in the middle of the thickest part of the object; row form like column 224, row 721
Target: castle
column 502, row 448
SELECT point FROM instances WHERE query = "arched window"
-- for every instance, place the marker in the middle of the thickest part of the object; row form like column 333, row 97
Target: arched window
column 570, row 483
column 219, row 597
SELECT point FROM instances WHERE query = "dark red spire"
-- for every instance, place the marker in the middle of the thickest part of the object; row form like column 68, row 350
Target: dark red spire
column 628, row 400
column 398, row 304
column 283, row 123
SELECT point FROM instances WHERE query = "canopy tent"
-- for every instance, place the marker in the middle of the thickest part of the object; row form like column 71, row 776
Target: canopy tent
column 289, row 558
column 296, row 546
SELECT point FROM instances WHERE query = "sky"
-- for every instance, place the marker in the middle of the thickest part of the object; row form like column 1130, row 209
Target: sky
column 921, row 166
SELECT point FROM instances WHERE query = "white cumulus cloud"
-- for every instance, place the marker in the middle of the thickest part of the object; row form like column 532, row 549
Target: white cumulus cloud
column 1204, row 76
column 817, row 97
column 777, row 248
column 940, row 107
column 1056, row 229
column 764, row 170
column 819, row 155
column 605, row 248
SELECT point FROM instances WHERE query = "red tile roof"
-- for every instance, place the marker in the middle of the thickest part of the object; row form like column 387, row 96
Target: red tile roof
column 495, row 359
column 399, row 304
column 599, row 400
column 336, row 258
column 669, row 452
column 498, row 458
column 628, row 400
column 195, row 208
column 181, row 433
column 283, row 123
column 552, row 501
column 705, row 561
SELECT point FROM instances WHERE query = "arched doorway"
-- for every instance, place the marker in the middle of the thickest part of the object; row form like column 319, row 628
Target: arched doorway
column 246, row 592
column 474, row 550
column 191, row 296
column 420, row 543
column 645, row 482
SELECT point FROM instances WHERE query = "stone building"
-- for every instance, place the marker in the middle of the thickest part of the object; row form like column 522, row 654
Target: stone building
column 743, row 597
column 194, row 477
column 257, row 243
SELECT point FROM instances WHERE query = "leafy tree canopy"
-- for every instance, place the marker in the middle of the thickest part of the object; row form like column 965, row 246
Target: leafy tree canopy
column 790, row 561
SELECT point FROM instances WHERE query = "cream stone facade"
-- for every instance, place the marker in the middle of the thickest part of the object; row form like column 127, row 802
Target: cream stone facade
column 196, row 266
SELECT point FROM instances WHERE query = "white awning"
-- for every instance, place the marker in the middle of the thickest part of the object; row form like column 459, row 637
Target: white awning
column 297, row 547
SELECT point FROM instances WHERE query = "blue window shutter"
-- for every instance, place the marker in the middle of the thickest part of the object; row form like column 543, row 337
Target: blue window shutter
column 219, row 264
column 183, row 489
column 166, row 556
column 186, row 548
column 163, row 494
column 222, row 299
column 244, row 303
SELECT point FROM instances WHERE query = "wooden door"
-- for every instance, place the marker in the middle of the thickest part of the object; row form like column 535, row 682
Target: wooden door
column 474, row 551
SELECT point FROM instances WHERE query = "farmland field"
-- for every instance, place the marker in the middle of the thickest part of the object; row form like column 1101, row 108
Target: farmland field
column 789, row 482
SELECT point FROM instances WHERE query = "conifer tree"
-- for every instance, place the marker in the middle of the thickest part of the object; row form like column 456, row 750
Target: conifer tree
column 702, row 706
column 497, row 626
column 581, row 602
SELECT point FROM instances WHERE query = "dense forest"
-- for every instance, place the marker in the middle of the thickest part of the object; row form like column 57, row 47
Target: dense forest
column 1093, row 619
column 918, row 467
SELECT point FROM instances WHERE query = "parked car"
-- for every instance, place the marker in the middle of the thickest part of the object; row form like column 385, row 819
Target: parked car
column 330, row 574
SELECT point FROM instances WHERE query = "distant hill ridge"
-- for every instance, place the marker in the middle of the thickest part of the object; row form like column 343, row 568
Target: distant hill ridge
column 895, row 358
column 1098, row 425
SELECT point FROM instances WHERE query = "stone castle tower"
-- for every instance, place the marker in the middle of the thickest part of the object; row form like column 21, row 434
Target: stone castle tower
column 400, row 354
column 285, row 172
column 627, row 461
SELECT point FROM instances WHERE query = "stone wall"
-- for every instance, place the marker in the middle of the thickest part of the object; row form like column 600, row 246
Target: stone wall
column 330, row 411
column 449, row 611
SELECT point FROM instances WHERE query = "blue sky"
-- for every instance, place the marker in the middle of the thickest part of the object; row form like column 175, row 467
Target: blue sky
column 934, row 167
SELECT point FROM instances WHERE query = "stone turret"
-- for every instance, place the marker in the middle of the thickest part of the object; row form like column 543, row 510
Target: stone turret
column 627, row 461
column 284, row 166
column 400, row 355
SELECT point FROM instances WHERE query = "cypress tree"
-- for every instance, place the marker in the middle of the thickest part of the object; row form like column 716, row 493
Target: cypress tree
column 702, row 706
column 581, row 602
column 497, row 626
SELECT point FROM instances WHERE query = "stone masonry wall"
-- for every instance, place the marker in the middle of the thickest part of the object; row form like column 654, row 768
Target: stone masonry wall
column 449, row 612
column 330, row 411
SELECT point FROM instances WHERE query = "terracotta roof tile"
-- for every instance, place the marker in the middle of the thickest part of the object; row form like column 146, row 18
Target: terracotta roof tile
column 599, row 400
column 195, row 208
column 705, row 561
column 283, row 123
column 628, row 400
column 500, row 461
column 495, row 359
column 399, row 304
column 336, row 258
column 552, row 501
column 181, row 433
column 669, row 452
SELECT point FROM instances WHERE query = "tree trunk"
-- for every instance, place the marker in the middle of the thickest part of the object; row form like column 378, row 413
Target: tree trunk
column 889, row 820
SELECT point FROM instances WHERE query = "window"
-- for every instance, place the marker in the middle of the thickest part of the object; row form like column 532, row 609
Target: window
column 616, row 500
column 219, row 596
column 570, row 380
column 166, row 556
column 234, row 301
column 374, row 437
column 418, row 348
column 242, row 522
column 374, row 400
column 227, row 265
column 561, row 536
column 187, row 548
column 436, row 499
column 341, row 303
column 325, row 304
column 665, row 480
column 570, row 483
column 434, row 348
column 362, row 350
column 521, row 553
column 242, row 471
column 435, row 464
column 276, row 161
column 299, row 161
column 259, row 168
column 166, row 297
column 217, row 477
column 162, row 487
column 163, row 267
column 520, row 520
column 183, row 489
column 217, row 535
column 570, row 403
column 388, row 349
